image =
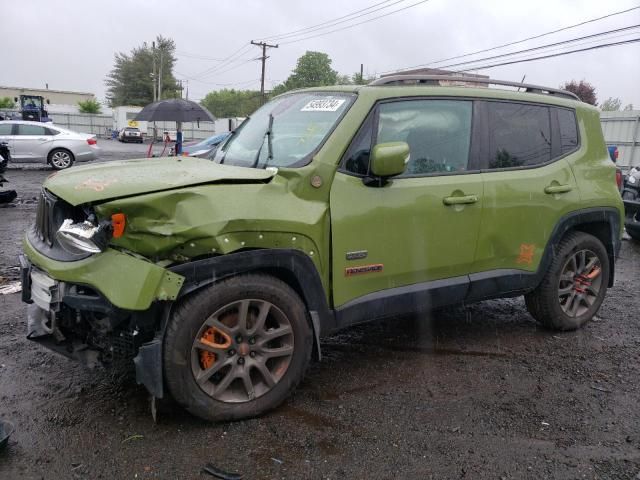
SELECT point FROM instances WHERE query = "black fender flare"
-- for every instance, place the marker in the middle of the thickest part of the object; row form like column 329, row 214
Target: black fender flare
column 289, row 264
column 602, row 222
column 292, row 266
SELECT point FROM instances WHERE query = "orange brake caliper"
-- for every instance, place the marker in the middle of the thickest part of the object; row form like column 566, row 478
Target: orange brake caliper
column 216, row 338
column 583, row 281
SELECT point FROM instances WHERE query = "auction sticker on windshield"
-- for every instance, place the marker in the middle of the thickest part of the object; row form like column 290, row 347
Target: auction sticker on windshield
column 325, row 105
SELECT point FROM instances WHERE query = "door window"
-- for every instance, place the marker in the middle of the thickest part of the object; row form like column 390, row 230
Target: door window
column 24, row 129
column 5, row 128
column 519, row 135
column 438, row 133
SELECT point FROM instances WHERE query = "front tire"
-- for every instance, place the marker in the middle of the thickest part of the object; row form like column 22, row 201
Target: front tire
column 574, row 285
column 238, row 348
column 60, row 159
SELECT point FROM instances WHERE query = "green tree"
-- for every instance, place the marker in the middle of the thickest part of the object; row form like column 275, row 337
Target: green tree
column 343, row 80
column 313, row 69
column 611, row 104
column 130, row 82
column 358, row 79
column 584, row 90
column 6, row 102
column 89, row 106
column 232, row 103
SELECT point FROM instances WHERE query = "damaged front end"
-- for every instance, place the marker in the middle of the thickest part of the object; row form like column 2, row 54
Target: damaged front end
column 99, row 263
column 88, row 301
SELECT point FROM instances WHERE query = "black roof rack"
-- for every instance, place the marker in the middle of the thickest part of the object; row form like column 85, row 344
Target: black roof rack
column 432, row 80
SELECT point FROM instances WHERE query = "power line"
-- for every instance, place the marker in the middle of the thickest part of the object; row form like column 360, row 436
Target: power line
column 198, row 57
column 231, row 58
column 541, row 47
column 226, row 62
column 585, row 22
column 355, row 24
column 604, row 45
column 518, row 56
column 335, row 21
column 246, row 82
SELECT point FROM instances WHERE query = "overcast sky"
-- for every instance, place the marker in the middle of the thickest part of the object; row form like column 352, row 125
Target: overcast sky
column 70, row 44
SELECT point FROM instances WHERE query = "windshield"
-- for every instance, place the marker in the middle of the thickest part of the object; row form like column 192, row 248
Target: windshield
column 285, row 131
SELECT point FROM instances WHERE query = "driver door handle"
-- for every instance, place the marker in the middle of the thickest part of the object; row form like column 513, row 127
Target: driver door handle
column 463, row 200
column 551, row 189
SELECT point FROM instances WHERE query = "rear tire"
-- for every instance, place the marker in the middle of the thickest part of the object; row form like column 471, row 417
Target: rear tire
column 60, row 159
column 221, row 367
column 573, row 286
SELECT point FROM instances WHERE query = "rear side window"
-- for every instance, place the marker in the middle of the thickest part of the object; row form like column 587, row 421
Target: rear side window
column 24, row 129
column 51, row 131
column 519, row 135
column 568, row 130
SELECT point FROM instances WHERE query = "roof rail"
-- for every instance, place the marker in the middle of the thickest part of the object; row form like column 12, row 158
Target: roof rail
column 418, row 79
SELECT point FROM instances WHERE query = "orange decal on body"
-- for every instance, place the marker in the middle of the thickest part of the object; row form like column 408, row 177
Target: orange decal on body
column 97, row 185
column 527, row 251
column 350, row 271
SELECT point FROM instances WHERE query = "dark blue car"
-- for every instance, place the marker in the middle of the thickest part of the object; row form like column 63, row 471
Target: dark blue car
column 204, row 145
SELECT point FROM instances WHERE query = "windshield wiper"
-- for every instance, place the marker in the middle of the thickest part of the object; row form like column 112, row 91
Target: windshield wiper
column 269, row 135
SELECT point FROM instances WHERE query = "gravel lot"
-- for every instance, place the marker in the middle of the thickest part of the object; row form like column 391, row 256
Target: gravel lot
column 476, row 392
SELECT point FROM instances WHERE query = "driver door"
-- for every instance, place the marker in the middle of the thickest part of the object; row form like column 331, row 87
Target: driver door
column 418, row 231
column 31, row 142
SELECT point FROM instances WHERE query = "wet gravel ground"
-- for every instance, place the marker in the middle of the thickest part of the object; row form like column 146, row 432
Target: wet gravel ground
column 475, row 392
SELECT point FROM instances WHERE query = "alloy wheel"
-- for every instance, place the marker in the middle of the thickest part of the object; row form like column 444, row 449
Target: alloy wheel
column 61, row 159
column 580, row 283
column 242, row 350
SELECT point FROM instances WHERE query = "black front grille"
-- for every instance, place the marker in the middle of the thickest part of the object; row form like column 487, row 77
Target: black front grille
column 45, row 230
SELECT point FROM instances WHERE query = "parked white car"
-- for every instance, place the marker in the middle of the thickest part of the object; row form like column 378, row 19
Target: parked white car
column 47, row 143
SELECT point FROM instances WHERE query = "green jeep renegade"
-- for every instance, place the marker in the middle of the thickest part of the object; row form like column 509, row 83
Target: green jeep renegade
column 327, row 208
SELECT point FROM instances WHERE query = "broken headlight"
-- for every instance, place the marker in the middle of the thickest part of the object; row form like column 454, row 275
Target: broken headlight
column 83, row 237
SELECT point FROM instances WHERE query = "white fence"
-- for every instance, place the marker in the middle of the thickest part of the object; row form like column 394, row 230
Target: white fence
column 102, row 125
column 623, row 130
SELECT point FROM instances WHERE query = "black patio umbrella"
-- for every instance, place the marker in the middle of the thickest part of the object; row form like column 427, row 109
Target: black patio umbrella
column 175, row 110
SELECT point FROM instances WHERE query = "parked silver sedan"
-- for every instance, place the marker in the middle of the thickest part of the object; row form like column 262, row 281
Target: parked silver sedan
column 45, row 142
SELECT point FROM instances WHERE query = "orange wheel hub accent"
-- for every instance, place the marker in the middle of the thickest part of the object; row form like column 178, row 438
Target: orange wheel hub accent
column 216, row 338
column 594, row 273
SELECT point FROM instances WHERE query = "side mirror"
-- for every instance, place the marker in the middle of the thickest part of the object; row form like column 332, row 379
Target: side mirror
column 48, row 102
column 15, row 99
column 388, row 160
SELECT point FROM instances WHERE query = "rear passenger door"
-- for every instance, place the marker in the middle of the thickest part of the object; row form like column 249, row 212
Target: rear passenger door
column 528, row 185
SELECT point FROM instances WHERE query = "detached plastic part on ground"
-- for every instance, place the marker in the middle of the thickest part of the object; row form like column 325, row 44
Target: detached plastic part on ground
column 8, row 196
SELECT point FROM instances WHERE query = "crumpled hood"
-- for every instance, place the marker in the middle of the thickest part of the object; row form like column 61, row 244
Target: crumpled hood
column 110, row 180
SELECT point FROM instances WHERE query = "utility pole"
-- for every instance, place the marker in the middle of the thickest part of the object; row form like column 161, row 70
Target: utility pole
column 264, row 60
column 187, row 89
column 362, row 73
column 160, row 78
column 153, row 74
